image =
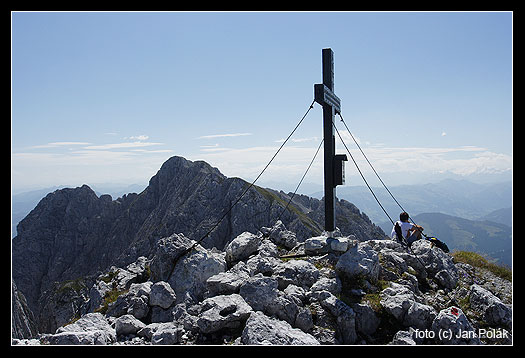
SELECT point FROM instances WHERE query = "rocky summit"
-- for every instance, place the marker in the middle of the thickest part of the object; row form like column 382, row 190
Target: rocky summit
column 92, row 270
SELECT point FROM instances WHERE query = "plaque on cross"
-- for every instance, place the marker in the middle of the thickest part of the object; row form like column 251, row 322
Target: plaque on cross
column 333, row 172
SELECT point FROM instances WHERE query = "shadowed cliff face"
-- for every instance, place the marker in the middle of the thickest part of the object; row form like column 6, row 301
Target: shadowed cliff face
column 72, row 233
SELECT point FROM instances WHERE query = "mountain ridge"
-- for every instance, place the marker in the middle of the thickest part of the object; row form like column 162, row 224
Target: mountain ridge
column 72, row 233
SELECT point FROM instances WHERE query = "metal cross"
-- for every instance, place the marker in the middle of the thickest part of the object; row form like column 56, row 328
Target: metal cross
column 333, row 165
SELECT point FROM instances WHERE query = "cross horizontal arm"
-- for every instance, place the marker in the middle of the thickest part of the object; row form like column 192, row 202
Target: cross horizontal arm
column 324, row 96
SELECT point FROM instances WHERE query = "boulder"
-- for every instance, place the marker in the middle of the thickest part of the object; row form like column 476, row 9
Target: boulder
column 225, row 283
column 263, row 330
column 451, row 326
column 222, row 312
column 298, row 272
column 366, row 320
column 161, row 295
column 403, row 338
column 259, row 292
column 360, row 261
column 280, row 236
column 241, row 247
column 134, row 302
column 128, row 324
column 193, row 270
column 167, row 252
column 437, row 263
column 90, row 329
column 493, row 310
column 167, row 334
column 344, row 316
column 323, row 244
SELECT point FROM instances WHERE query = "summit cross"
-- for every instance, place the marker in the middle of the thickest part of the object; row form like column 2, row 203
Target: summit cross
column 333, row 164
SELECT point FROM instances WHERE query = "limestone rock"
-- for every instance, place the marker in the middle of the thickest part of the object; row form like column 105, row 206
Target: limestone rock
column 92, row 328
column 161, row 294
column 263, row 330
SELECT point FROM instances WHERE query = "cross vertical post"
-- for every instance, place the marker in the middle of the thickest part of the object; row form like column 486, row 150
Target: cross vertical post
column 325, row 96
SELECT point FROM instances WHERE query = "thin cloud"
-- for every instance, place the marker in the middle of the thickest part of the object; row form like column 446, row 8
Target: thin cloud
column 300, row 140
column 121, row 145
column 58, row 144
column 138, row 137
column 223, row 135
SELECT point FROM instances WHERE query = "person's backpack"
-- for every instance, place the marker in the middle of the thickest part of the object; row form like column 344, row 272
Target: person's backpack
column 399, row 234
column 435, row 242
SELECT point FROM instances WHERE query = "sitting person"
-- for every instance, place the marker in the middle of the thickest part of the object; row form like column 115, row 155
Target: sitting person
column 409, row 231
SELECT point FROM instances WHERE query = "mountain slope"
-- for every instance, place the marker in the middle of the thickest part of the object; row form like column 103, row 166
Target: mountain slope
column 72, row 233
column 485, row 237
column 501, row 216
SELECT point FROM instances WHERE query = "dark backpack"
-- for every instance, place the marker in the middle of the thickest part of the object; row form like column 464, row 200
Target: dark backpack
column 435, row 242
column 399, row 234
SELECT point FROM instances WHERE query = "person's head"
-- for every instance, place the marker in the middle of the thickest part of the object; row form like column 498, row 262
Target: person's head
column 403, row 216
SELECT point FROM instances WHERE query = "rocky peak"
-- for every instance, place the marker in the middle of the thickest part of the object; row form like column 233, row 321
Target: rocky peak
column 177, row 170
column 74, row 235
column 346, row 291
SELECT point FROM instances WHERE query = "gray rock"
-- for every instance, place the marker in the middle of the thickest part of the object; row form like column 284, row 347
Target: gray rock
column 23, row 322
column 494, row 311
column 260, row 292
column 419, row 316
column 344, row 315
column 332, row 285
column 339, row 244
column 298, row 272
column 193, row 270
column 134, row 302
column 457, row 328
column 133, row 273
column 280, row 236
column 263, row 264
column 403, row 338
column 161, row 295
column 92, row 328
column 366, row 320
column 437, row 263
column 167, row 334
column 316, row 245
column 241, row 247
column 296, row 293
column 397, row 299
column 167, row 252
column 128, row 324
column 225, row 283
column 360, row 261
column 222, row 312
column 263, row 330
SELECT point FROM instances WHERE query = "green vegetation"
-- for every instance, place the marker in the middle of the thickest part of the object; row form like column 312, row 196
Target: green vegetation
column 271, row 197
column 72, row 285
column 110, row 276
column 374, row 299
column 109, row 297
column 479, row 261
column 112, row 295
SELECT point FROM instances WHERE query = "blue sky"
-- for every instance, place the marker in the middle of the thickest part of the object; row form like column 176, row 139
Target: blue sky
column 104, row 97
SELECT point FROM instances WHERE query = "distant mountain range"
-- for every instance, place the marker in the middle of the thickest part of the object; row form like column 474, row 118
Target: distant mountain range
column 486, row 237
column 452, row 197
column 466, row 215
